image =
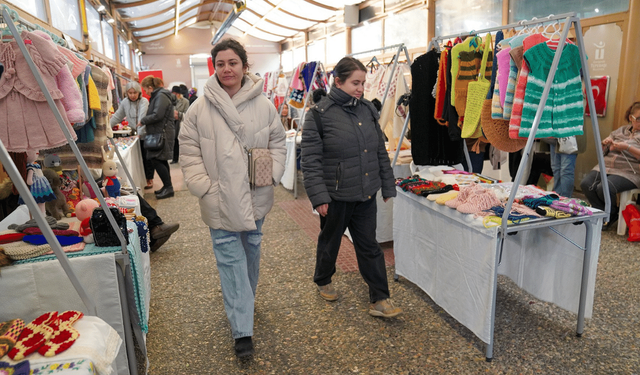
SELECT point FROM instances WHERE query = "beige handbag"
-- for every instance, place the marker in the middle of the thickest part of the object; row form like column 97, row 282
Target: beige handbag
column 260, row 167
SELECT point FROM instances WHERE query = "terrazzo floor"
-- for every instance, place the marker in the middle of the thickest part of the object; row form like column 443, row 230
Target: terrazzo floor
column 296, row 332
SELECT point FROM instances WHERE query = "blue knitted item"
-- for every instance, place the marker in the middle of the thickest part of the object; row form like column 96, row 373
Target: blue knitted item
column 39, row 239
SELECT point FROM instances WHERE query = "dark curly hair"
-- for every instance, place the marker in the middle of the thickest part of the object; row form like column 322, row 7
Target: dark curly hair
column 233, row 45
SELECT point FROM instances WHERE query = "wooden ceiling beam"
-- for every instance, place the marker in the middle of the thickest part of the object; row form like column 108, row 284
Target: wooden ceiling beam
column 271, row 22
column 320, row 5
column 294, row 15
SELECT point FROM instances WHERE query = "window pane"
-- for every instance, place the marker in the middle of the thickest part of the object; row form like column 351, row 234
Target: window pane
column 125, row 53
column 109, row 48
column 287, row 61
column 521, row 9
column 65, row 16
column 396, row 26
column 466, row 15
column 298, row 56
column 315, row 51
column 336, row 47
column 366, row 37
column 33, row 7
column 95, row 31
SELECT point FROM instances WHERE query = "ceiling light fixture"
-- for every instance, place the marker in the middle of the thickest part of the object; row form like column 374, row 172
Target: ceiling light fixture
column 129, row 41
column 101, row 8
column 111, row 20
column 136, row 50
column 177, row 16
column 263, row 17
column 238, row 8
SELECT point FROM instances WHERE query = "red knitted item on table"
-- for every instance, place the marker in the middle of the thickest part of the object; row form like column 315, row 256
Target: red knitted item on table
column 34, row 335
column 57, row 232
column 9, row 334
column 64, row 337
column 11, row 237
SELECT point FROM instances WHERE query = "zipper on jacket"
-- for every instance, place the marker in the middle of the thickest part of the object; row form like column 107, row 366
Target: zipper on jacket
column 338, row 174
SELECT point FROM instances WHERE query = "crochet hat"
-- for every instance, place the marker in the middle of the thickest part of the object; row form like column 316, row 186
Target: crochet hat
column 497, row 131
column 21, row 250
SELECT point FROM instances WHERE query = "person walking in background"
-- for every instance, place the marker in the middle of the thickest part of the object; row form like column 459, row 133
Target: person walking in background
column 193, row 95
column 159, row 120
column 182, row 104
column 134, row 108
column 622, row 160
column 215, row 131
column 345, row 163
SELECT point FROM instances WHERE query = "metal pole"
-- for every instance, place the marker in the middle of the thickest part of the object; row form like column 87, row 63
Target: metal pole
column 586, row 264
column 19, row 183
column 494, row 292
column 536, row 123
column 126, row 170
column 377, row 49
column 302, row 115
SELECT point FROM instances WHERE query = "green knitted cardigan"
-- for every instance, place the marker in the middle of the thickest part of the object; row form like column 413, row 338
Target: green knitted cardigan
column 563, row 112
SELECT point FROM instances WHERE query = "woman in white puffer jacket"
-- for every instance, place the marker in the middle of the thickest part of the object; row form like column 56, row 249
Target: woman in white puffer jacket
column 214, row 164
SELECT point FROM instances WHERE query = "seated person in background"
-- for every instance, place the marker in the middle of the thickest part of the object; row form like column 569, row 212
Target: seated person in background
column 284, row 116
column 622, row 160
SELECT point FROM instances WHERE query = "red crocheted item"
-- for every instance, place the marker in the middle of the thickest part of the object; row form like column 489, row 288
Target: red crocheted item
column 57, row 232
column 34, row 335
column 11, row 237
column 64, row 337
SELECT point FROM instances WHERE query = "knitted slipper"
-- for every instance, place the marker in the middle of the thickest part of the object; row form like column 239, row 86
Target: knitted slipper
column 550, row 212
column 443, row 198
column 64, row 337
column 34, row 335
column 9, row 334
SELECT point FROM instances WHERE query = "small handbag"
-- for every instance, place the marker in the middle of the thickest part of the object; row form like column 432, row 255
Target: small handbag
column 154, row 142
column 103, row 233
column 567, row 145
column 260, row 167
column 476, row 94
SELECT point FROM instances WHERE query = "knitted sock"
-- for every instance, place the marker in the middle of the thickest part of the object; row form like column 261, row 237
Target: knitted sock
column 442, row 198
column 9, row 334
column 550, row 212
column 34, row 335
column 64, row 337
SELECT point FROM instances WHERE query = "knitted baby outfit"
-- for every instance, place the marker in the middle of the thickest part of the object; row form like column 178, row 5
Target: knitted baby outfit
column 9, row 334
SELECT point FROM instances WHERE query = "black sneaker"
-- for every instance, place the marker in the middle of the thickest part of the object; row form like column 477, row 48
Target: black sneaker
column 244, row 347
column 165, row 193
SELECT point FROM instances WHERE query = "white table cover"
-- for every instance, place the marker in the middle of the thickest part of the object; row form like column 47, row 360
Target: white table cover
column 451, row 256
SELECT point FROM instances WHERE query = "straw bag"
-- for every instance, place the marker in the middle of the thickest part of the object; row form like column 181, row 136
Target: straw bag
column 476, row 94
column 497, row 131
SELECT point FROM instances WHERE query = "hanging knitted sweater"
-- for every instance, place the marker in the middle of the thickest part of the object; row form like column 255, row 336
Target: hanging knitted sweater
column 430, row 142
column 563, row 112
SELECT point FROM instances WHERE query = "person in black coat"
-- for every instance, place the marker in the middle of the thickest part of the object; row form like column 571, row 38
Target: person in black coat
column 159, row 120
column 192, row 95
column 345, row 163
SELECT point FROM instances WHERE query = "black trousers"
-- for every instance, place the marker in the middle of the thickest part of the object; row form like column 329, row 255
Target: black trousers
column 360, row 218
column 591, row 187
column 149, row 212
column 162, row 167
column 148, row 164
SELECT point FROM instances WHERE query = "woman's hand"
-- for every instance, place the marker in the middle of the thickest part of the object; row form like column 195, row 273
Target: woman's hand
column 619, row 146
column 607, row 141
column 386, row 200
column 175, row 114
column 323, row 209
column 139, row 125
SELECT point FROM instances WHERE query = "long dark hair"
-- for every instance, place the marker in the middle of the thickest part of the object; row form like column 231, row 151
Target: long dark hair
column 233, row 45
column 345, row 67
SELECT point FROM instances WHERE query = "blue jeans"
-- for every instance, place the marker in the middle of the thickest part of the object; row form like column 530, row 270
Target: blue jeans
column 563, row 167
column 238, row 260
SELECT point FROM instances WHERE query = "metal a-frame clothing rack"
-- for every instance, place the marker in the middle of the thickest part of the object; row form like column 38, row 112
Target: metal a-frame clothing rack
column 590, row 221
column 9, row 16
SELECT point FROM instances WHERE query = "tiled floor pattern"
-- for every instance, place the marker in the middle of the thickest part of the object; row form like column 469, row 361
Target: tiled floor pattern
column 301, row 212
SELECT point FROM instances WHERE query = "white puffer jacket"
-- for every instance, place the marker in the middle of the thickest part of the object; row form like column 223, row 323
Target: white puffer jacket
column 214, row 163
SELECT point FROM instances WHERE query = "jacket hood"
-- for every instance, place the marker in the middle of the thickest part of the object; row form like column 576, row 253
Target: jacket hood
column 227, row 106
column 161, row 91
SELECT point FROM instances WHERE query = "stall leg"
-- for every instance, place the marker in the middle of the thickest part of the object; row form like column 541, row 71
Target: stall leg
column 586, row 264
column 131, row 352
column 489, row 350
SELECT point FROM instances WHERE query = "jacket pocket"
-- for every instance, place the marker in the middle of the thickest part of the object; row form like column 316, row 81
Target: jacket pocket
column 338, row 175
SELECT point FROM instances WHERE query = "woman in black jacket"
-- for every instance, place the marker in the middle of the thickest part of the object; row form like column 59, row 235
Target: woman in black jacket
column 159, row 120
column 345, row 163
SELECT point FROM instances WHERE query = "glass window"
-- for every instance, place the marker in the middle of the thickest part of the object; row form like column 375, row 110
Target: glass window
column 462, row 16
column 33, row 7
column 298, row 56
column 109, row 47
column 287, row 61
column 95, row 30
column 395, row 27
column 315, row 51
column 125, row 52
column 336, row 47
column 366, row 37
column 521, row 9
column 65, row 16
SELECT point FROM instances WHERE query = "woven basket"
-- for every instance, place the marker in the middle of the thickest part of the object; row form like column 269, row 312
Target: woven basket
column 497, row 131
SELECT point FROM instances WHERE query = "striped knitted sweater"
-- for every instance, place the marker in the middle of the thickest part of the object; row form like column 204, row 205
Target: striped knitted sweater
column 563, row 112
column 468, row 72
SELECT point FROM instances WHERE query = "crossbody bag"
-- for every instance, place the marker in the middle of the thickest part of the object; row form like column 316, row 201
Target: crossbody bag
column 260, row 164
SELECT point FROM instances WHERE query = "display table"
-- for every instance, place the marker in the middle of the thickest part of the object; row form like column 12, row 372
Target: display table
column 40, row 285
column 290, row 163
column 129, row 148
column 455, row 260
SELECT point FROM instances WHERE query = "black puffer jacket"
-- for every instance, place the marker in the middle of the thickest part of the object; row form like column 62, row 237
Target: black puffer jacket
column 348, row 161
column 159, row 118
